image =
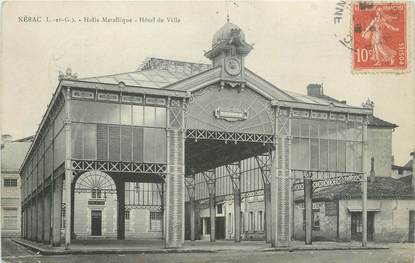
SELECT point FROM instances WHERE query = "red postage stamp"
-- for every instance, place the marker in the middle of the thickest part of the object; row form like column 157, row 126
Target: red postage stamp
column 379, row 36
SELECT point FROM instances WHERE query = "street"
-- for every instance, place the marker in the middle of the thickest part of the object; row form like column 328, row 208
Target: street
column 398, row 253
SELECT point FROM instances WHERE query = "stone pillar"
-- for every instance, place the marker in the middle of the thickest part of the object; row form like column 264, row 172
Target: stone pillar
column 40, row 211
column 120, row 184
column 68, row 168
column 34, row 219
column 192, row 220
column 27, row 230
column 237, row 214
column 175, row 188
column 212, row 213
column 197, row 220
column 73, row 210
column 46, row 222
column 308, row 207
column 364, row 185
column 57, row 212
column 280, row 181
column 210, row 179
column 268, row 213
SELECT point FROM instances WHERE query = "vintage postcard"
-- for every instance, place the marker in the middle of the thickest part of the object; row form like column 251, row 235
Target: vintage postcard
column 207, row 131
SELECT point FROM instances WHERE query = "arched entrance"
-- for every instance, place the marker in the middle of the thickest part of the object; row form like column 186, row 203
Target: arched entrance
column 95, row 206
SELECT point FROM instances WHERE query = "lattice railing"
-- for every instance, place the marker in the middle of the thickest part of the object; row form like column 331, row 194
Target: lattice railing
column 324, row 178
column 228, row 136
column 127, row 167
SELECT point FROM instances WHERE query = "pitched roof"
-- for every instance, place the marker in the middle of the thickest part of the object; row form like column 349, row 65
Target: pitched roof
column 379, row 123
column 381, row 188
column 12, row 155
column 180, row 75
column 153, row 73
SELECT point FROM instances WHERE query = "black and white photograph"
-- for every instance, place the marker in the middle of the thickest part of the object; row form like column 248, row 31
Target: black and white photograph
column 207, row 131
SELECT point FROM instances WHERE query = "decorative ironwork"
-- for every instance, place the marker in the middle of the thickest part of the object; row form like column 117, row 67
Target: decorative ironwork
column 126, row 167
column 324, row 178
column 264, row 163
column 68, row 75
column 152, row 208
column 95, row 181
column 234, row 172
column 189, row 182
column 210, row 179
column 228, row 136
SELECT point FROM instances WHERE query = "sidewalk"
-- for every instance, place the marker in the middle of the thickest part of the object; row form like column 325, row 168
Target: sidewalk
column 157, row 247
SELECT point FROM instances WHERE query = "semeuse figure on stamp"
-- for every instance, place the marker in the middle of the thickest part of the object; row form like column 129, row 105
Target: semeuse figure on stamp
column 381, row 52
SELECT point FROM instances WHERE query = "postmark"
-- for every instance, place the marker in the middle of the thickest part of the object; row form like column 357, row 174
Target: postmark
column 379, row 37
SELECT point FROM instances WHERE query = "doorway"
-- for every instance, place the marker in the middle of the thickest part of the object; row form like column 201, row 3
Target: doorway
column 96, row 222
column 357, row 225
column 220, row 228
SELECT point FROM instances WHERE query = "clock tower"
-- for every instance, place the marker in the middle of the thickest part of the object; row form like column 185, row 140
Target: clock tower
column 228, row 51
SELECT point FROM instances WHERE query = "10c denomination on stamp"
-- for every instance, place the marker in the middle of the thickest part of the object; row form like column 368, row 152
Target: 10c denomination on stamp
column 379, row 36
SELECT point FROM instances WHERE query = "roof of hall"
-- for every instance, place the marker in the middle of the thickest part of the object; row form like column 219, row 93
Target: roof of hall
column 153, row 73
column 171, row 74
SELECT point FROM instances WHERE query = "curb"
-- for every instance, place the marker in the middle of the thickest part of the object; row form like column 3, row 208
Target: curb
column 49, row 252
column 293, row 249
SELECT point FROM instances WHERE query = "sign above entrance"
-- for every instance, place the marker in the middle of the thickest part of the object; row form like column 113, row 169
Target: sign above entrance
column 231, row 115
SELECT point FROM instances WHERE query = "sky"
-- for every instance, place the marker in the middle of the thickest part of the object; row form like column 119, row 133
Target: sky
column 295, row 43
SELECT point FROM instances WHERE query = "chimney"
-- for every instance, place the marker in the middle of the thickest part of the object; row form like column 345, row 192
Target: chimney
column 315, row 90
column 6, row 138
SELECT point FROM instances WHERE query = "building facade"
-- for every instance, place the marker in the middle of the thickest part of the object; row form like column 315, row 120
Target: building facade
column 12, row 154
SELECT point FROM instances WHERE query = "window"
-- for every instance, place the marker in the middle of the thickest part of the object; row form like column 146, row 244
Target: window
column 9, row 218
column 230, row 221
column 219, row 208
column 316, row 219
column 96, row 193
column 10, row 182
column 251, row 222
column 155, row 221
column 127, row 214
column 260, row 224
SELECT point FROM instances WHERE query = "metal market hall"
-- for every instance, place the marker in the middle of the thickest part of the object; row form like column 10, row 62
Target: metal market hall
column 161, row 151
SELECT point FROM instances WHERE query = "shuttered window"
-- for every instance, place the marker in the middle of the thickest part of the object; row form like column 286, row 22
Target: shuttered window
column 126, row 144
column 138, row 144
column 114, row 143
column 102, row 142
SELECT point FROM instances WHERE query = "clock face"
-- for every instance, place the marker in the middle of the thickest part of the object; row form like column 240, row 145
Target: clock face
column 233, row 66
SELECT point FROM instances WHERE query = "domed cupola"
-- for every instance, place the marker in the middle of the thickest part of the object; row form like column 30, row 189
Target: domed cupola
column 225, row 33
column 228, row 51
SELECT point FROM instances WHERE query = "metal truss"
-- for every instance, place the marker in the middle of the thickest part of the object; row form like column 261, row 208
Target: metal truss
column 229, row 197
column 264, row 162
column 190, row 184
column 125, row 167
column 234, row 172
column 157, row 208
column 228, row 136
column 210, row 179
column 324, row 178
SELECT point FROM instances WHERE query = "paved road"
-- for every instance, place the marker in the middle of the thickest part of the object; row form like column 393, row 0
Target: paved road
column 397, row 254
